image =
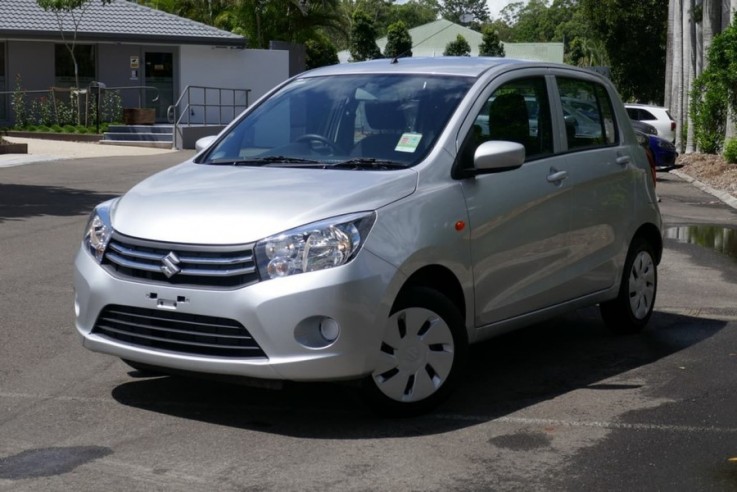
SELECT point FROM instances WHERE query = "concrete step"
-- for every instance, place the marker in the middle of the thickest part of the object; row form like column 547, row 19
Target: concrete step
column 141, row 129
column 137, row 137
column 139, row 143
column 158, row 136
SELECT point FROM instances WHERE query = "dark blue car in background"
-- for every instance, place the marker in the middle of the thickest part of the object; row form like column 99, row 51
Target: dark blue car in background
column 664, row 153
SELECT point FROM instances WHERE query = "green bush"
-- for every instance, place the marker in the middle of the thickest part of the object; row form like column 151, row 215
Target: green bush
column 69, row 129
column 730, row 151
column 56, row 128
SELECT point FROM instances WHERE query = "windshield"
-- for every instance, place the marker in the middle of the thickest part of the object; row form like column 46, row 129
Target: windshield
column 365, row 121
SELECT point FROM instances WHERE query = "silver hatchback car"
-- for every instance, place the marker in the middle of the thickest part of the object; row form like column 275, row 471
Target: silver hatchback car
column 369, row 221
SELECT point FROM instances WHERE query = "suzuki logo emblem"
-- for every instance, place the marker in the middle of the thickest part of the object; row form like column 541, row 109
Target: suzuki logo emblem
column 170, row 265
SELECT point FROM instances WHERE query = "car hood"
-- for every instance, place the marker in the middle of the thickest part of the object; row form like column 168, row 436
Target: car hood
column 205, row 204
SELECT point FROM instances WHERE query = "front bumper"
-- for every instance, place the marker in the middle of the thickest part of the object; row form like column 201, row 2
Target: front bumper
column 274, row 311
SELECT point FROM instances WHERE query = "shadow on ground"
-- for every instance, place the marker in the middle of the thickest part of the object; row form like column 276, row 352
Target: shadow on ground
column 506, row 374
column 23, row 201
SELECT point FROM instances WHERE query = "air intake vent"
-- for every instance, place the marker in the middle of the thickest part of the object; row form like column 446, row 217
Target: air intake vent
column 177, row 332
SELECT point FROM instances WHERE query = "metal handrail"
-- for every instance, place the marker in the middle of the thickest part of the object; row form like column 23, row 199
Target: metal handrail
column 84, row 90
column 187, row 110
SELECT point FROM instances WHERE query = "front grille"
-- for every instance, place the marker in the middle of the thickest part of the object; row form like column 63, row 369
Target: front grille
column 177, row 332
column 186, row 265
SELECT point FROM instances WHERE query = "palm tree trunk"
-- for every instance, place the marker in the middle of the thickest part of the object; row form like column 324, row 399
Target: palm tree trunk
column 669, row 42
column 689, row 68
column 677, row 87
column 727, row 19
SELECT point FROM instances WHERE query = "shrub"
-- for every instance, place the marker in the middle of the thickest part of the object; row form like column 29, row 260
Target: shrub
column 18, row 103
column 709, row 108
column 730, row 151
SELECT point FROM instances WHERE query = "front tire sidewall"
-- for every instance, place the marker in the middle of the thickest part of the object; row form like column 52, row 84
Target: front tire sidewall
column 404, row 363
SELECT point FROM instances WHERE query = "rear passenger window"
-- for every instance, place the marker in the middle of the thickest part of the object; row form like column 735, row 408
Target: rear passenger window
column 517, row 111
column 588, row 114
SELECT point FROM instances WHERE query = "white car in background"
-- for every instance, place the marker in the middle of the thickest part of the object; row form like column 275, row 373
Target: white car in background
column 656, row 116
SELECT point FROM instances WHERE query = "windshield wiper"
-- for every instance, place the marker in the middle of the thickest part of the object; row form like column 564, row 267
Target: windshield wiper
column 368, row 163
column 261, row 161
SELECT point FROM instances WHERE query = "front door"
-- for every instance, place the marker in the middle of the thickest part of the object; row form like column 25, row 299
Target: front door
column 159, row 74
column 520, row 219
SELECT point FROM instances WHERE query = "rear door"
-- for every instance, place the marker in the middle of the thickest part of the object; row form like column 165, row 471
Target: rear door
column 601, row 180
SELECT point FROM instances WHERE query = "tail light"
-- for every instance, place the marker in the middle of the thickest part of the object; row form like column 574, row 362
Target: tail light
column 672, row 126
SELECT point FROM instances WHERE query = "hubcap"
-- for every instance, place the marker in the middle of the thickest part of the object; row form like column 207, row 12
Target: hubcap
column 416, row 355
column 642, row 285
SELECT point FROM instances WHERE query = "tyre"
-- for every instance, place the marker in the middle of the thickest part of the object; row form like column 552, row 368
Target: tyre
column 422, row 353
column 631, row 310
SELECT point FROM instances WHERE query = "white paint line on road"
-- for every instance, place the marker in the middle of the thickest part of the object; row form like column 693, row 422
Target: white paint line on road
column 594, row 424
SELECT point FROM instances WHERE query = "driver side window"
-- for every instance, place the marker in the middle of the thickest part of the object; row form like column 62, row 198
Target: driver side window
column 518, row 111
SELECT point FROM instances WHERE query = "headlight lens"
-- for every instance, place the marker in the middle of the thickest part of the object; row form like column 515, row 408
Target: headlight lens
column 325, row 244
column 98, row 231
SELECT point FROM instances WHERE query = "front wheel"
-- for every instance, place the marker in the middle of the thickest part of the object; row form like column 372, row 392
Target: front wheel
column 422, row 352
column 631, row 310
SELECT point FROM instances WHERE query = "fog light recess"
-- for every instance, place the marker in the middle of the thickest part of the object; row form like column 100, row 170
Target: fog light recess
column 317, row 332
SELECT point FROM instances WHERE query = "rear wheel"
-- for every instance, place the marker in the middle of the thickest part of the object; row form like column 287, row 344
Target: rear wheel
column 422, row 352
column 631, row 310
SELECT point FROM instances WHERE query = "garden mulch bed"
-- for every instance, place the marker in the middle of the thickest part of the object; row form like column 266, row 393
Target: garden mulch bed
column 710, row 169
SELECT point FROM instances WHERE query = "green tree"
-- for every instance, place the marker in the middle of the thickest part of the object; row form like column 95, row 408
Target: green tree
column 459, row 47
column 398, row 41
column 490, row 43
column 465, row 11
column 320, row 52
column 363, row 38
column 414, row 13
column 633, row 32
column 714, row 92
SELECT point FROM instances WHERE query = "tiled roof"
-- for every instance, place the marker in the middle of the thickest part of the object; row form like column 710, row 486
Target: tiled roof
column 120, row 20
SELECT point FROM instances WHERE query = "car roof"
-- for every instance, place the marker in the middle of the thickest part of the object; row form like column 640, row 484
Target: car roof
column 439, row 65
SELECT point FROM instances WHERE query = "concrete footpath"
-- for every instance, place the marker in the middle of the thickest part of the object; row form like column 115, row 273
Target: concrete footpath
column 40, row 150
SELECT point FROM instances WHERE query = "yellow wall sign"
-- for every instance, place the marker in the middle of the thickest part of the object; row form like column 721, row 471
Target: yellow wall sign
column 134, row 62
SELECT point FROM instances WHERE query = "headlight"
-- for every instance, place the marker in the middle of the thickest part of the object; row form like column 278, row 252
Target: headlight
column 318, row 246
column 98, row 231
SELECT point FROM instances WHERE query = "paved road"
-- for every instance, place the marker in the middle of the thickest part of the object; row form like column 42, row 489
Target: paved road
column 559, row 406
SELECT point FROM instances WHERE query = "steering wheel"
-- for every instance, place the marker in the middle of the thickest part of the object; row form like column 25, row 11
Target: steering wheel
column 325, row 143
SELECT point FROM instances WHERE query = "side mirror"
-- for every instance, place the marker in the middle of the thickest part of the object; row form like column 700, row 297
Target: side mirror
column 204, row 142
column 498, row 155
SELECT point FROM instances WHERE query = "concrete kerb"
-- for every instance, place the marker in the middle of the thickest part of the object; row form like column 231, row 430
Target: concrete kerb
column 721, row 195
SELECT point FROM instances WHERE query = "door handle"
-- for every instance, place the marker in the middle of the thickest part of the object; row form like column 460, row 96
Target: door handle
column 623, row 160
column 556, row 176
